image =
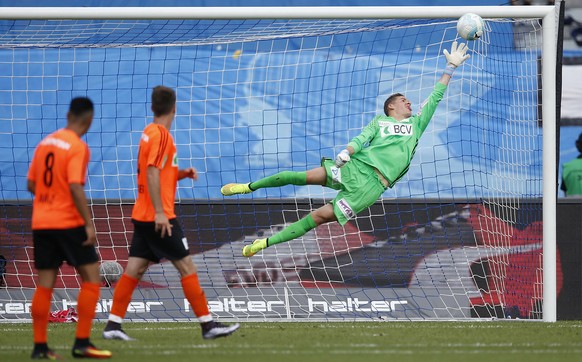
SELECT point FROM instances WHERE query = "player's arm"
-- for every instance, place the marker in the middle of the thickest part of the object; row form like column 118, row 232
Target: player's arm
column 563, row 186
column 31, row 177
column 190, row 172
column 76, row 175
column 430, row 105
column 455, row 58
column 80, row 200
column 162, row 224
column 357, row 143
column 31, row 186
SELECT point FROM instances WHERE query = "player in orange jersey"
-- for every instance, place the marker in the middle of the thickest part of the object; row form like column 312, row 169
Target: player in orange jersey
column 157, row 233
column 62, row 228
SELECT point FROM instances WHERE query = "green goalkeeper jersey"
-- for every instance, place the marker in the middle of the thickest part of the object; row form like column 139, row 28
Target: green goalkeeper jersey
column 389, row 145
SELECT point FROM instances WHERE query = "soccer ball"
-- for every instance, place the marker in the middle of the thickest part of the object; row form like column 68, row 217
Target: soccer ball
column 110, row 272
column 470, row 26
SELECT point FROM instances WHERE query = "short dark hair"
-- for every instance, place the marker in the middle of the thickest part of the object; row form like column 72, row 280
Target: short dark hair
column 163, row 100
column 389, row 101
column 80, row 106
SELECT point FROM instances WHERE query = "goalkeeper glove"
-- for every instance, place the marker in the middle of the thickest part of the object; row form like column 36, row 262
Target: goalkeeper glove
column 342, row 158
column 456, row 57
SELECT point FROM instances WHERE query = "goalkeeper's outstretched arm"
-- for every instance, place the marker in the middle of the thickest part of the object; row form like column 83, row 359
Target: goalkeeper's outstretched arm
column 455, row 58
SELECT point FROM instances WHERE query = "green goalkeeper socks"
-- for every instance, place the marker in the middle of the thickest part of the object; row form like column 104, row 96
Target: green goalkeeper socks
column 293, row 231
column 280, row 179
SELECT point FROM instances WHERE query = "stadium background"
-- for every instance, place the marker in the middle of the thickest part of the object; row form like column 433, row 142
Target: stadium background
column 116, row 129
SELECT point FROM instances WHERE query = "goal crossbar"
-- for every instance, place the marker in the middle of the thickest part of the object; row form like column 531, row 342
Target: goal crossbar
column 280, row 12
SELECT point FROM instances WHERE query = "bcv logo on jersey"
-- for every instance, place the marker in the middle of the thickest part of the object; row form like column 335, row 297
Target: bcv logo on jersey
column 395, row 129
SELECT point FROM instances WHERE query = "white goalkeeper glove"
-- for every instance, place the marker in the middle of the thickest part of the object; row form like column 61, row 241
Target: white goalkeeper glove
column 342, row 158
column 456, row 57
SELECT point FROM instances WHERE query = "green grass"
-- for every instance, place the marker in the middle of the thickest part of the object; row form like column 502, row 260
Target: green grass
column 337, row 342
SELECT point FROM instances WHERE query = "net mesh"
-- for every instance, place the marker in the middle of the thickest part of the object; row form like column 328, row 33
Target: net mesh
column 458, row 237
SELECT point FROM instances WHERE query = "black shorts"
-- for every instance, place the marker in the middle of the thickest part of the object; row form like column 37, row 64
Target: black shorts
column 52, row 247
column 148, row 244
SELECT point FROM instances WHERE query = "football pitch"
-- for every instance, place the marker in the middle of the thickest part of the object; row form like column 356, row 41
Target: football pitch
column 338, row 342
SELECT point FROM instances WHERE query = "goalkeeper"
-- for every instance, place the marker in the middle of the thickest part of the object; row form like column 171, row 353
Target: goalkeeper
column 372, row 162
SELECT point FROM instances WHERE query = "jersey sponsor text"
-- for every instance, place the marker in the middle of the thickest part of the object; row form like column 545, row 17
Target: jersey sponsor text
column 395, row 129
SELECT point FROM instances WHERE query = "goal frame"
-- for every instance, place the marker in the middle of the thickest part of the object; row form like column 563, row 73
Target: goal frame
column 549, row 14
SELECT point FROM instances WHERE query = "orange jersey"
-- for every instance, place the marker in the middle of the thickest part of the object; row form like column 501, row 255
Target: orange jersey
column 156, row 149
column 60, row 159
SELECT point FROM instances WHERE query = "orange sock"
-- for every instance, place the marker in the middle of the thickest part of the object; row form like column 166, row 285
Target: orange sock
column 122, row 297
column 196, row 297
column 40, row 309
column 86, row 303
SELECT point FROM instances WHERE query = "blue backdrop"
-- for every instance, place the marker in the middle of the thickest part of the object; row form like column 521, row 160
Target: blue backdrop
column 242, row 117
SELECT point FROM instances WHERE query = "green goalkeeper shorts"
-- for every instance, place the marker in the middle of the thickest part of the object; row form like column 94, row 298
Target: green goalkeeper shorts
column 359, row 187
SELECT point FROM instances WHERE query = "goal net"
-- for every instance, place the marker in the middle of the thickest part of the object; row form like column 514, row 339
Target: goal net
column 458, row 237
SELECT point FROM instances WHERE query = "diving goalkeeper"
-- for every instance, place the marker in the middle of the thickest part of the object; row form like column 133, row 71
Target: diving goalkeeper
column 372, row 162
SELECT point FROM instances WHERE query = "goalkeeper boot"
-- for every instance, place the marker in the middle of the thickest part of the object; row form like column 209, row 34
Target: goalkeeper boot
column 212, row 330
column 254, row 248
column 235, row 189
column 90, row 351
column 46, row 354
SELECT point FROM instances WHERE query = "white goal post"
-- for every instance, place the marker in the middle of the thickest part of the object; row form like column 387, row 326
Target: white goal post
column 548, row 14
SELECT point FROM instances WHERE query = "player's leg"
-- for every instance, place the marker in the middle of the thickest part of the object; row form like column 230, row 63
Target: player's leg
column 40, row 310
column 47, row 260
column 299, row 228
column 315, row 176
column 86, row 303
column 140, row 256
column 175, row 248
column 136, row 267
column 134, row 271
column 359, row 188
column 197, row 299
column 323, row 175
column 86, row 262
